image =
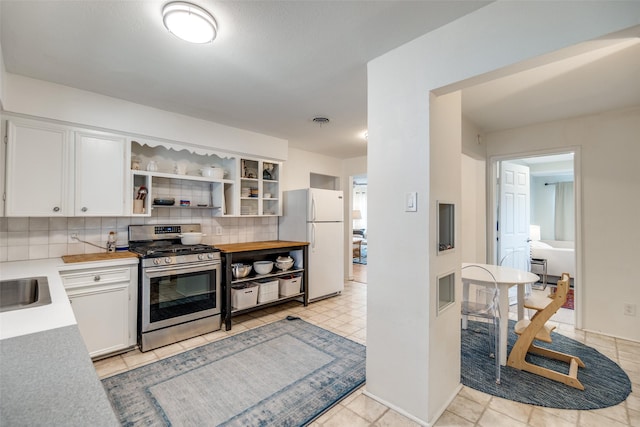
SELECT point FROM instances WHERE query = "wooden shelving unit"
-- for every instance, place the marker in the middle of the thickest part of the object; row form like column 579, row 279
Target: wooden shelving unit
column 258, row 251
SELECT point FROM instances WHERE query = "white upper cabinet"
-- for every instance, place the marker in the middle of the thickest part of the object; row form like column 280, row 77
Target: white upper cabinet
column 68, row 170
column 55, row 170
column 100, row 174
column 38, row 173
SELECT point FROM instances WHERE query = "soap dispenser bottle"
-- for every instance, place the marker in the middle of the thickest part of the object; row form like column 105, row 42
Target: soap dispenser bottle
column 111, row 242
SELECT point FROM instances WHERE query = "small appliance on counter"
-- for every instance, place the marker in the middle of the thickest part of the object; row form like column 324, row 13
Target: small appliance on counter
column 179, row 286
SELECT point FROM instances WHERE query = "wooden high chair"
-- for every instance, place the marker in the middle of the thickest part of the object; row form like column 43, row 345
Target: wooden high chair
column 535, row 329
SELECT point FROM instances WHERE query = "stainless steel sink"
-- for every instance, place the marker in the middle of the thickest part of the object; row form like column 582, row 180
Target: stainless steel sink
column 16, row 294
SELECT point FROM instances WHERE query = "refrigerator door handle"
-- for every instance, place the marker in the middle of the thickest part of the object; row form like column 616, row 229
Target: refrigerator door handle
column 313, row 236
column 313, row 208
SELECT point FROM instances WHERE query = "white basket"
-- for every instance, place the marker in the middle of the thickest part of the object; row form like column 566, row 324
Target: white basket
column 290, row 286
column 268, row 291
column 244, row 296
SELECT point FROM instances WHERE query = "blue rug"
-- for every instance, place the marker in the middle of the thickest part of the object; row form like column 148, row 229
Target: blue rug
column 363, row 258
column 283, row 374
column 358, row 260
column 605, row 383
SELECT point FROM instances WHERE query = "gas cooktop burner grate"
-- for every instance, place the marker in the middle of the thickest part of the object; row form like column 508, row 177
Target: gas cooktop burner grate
column 151, row 241
column 174, row 249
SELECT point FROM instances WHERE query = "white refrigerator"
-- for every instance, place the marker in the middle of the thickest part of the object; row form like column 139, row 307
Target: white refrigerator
column 316, row 216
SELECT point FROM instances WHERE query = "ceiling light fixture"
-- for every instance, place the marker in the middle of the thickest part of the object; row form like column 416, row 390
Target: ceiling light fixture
column 189, row 22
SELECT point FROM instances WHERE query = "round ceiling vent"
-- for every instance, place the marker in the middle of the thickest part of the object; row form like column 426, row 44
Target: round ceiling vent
column 321, row 120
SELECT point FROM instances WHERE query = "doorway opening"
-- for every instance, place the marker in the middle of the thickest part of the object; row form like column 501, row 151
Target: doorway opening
column 360, row 246
column 535, row 217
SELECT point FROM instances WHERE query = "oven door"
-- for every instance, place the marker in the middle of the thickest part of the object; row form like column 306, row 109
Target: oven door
column 177, row 294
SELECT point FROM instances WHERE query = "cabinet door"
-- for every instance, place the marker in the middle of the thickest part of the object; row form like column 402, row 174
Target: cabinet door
column 103, row 317
column 100, row 174
column 38, row 159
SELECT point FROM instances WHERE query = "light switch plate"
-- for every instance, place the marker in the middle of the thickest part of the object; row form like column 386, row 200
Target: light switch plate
column 411, row 202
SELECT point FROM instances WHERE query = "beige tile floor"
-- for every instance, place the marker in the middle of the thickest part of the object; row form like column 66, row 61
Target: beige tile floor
column 346, row 315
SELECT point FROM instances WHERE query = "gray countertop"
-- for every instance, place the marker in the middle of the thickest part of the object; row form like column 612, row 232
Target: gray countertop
column 47, row 378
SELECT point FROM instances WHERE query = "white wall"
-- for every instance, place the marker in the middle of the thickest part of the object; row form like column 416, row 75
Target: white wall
column 442, row 328
column 2, row 125
column 543, row 207
column 354, row 166
column 472, row 143
column 3, row 73
column 543, row 201
column 609, row 153
column 473, row 211
column 52, row 101
column 301, row 164
column 400, row 330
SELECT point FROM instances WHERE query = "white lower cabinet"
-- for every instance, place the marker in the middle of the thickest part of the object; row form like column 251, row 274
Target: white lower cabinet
column 104, row 303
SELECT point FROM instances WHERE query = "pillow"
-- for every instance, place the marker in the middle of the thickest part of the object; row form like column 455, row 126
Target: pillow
column 539, row 245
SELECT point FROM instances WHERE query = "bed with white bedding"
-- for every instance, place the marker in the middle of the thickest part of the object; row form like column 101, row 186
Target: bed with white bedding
column 560, row 256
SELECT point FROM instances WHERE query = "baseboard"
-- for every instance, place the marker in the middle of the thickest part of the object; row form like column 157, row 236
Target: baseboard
column 397, row 409
column 411, row 417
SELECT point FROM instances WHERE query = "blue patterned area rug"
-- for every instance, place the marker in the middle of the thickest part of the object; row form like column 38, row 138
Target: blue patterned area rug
column 283, row 374
column 605, row 383
column 360, row 260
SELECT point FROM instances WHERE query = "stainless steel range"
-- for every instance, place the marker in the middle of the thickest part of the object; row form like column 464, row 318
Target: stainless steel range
column 179, row 285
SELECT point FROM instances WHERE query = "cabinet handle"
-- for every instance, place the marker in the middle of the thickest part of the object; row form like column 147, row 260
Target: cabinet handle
column 56, row 209
column 84, row 209
column 96, row 278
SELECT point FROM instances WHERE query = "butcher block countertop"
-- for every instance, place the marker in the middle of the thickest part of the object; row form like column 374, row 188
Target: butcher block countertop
column 102, row 256
column 257, row 246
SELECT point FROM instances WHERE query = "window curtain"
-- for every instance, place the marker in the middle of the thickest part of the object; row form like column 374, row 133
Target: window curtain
column 564, row 212
column 360, row 203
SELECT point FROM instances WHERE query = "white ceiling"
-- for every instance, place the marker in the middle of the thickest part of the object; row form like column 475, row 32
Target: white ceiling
column 604, row 76
column 277, row 64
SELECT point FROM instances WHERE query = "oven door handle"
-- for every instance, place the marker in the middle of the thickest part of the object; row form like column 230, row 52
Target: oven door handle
column 161, row 271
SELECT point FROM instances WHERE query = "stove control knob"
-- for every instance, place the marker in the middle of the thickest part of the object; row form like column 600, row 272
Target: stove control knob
column 210, row 256
column 167, row 260
column 201, row 257
column 157, row 261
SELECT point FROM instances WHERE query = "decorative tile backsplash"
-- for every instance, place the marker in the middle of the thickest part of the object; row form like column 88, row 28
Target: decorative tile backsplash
column 37, row 238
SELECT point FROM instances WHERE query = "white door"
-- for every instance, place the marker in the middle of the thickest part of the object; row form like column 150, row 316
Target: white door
column 513, row 226
column 326, row 259
column 325, row 205
column 100, row 160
